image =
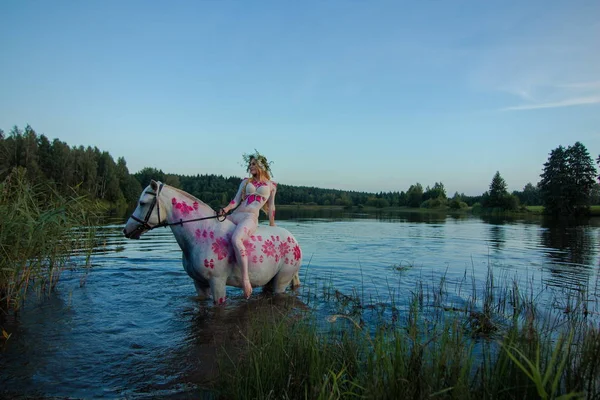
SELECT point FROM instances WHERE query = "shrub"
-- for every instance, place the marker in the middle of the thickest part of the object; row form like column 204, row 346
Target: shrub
column 457, row 205
column 40, row 229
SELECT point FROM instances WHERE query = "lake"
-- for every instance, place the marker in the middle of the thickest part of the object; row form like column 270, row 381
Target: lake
column 131, row 326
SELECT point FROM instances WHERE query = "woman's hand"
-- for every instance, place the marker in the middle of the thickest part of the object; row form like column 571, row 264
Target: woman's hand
column 222, row 214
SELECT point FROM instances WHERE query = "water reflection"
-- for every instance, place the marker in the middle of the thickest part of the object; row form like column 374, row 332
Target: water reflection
column 209, row 331
column 497, row 236
column 570, row 248
column 389, row 215
column 300, row 214
column 32, row 350
column 419, row 216
column 574, row 241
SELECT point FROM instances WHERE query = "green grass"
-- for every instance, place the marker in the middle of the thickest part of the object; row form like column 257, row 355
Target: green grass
column 39, row 230
column 494, row 347
column 535, row 209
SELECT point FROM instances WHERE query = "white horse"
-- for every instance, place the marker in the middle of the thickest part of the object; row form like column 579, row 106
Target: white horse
column 274, row 256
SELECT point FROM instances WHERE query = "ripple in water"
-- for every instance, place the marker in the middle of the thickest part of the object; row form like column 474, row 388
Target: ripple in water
column 130, row 326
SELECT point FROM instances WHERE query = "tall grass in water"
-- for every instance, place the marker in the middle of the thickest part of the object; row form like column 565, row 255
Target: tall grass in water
column 493, row 346
column 39, row 230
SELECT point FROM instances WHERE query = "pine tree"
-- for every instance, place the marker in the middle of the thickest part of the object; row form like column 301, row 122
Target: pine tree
column 567, row 181
column 582, row 176
column 498, row 197
column 497, row 191
column 598, row 162
column 45, row 156
column 554, row 181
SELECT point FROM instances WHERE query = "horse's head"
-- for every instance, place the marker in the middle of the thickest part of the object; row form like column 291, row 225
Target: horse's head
column 147, row 215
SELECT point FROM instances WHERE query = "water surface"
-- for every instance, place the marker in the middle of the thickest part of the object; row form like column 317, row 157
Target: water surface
column 132, row 327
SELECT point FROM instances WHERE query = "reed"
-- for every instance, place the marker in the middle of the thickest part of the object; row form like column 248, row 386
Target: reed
column 495, row 344
column 39, row 231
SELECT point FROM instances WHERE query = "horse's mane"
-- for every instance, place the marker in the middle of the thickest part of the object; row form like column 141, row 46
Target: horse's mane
column 188, row 195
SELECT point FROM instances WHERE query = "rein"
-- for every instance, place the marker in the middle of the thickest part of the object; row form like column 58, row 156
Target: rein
column 144, row 223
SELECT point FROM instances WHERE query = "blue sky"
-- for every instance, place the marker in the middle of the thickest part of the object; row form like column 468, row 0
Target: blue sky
column 356, row 95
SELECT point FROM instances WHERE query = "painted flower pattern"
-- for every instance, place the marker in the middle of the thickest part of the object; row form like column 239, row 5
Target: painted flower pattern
column 274, row 249
column 202, row 235
column 250, row 248
column 221, row 248
column 284, row 248
column 297, row 252
column 252, row 198
column 182, row 207
column 269, row 248
column 258, row 184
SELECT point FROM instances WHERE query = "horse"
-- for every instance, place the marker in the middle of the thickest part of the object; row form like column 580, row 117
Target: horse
column 274, row 255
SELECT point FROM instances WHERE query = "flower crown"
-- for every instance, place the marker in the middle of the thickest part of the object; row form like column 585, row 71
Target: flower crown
column 261, row 161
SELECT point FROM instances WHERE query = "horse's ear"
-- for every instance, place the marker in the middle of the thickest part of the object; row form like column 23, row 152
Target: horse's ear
column 154, row 185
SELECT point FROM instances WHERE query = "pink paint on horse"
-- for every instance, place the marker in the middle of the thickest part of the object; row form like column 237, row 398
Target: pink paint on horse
column 208, row 255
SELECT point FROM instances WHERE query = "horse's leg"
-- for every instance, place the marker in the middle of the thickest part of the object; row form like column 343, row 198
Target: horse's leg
column 295, row 281
column 288, row 275
column 280, row 284
column 202, row 289
column 268, row 287
column 283, row 279
column 218, row 290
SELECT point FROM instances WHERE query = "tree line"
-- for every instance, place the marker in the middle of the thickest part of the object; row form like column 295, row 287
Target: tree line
column 567, row 186
column 82, row 171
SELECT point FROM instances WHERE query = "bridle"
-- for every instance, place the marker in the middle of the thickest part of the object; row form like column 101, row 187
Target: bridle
column 144, row 225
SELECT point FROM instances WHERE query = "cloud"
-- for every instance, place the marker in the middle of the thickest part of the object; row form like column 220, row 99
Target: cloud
column 582, row 85
column 577, row 101
column 558, row 95
column 551, row 63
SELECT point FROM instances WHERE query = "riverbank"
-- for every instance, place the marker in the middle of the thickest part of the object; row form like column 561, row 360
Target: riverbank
column 496, row 346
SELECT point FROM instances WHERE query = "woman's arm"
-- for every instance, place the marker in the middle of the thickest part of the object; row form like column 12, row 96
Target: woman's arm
column 272, row 204
column 237, row 199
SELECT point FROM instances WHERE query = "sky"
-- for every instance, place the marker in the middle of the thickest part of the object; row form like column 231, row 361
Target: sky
column 354, row 95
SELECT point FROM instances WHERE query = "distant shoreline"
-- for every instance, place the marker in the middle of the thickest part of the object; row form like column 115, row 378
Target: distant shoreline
column 531, row 210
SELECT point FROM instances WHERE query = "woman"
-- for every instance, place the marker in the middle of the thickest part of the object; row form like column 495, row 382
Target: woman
column 255, row 193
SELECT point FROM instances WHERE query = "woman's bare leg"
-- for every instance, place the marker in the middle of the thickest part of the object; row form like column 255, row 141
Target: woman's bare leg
column 243, row 230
